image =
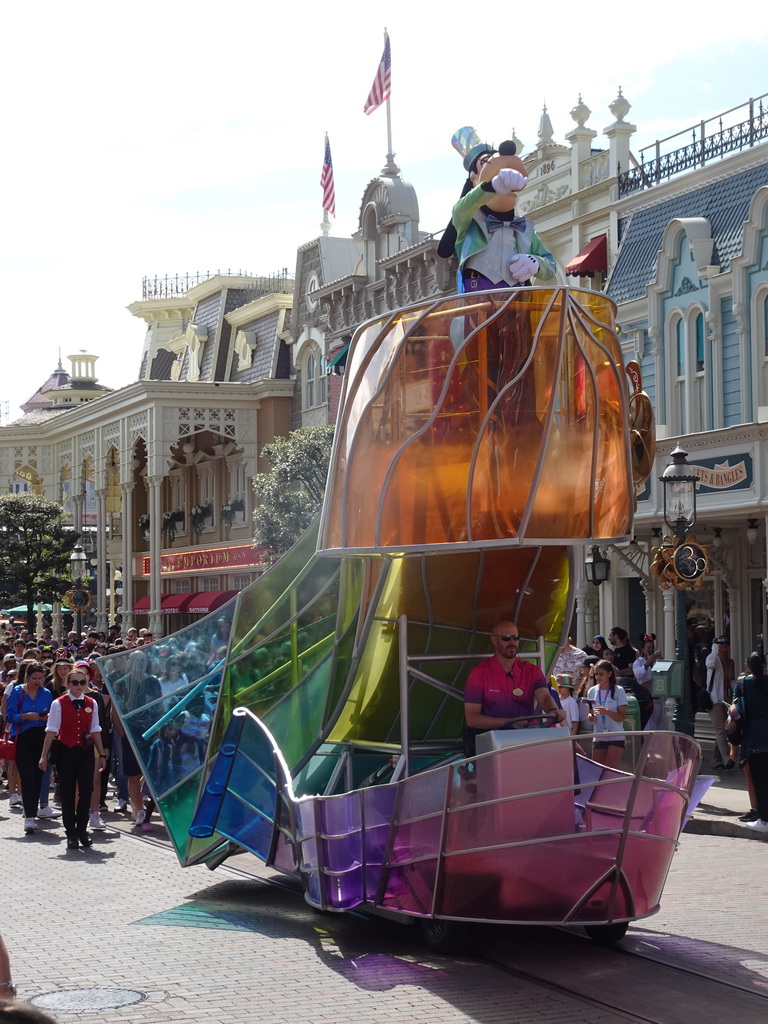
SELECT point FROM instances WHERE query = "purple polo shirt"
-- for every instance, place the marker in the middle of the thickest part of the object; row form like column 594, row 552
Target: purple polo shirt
column 494, row 689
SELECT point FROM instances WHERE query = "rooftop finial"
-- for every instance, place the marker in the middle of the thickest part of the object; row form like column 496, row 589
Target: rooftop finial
column 546, row 131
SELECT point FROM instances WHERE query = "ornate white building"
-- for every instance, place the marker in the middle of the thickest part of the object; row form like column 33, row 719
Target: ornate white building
column 158, row 475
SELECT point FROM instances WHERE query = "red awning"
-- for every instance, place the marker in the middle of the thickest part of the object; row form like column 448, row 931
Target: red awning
column 142, row 605
column 593, row 259
column 172, row 603
column 208, row 601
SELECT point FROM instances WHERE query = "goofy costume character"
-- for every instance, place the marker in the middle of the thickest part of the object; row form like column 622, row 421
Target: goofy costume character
column 495, row 248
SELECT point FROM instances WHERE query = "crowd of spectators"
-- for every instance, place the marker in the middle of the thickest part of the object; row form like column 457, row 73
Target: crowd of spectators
column 36, row 671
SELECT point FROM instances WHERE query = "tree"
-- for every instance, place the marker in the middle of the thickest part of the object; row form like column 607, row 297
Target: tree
column 35, row 546
column 291, row 494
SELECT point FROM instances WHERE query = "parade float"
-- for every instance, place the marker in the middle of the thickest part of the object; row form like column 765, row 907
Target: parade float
column 480, row 438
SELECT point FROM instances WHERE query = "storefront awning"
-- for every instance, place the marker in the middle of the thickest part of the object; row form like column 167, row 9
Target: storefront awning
column 593, row 259
column 172, row 603
column 339, row 361
column 208, row 601
column 142, row 605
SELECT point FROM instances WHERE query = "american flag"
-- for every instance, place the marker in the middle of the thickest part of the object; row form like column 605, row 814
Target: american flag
column 382, row 83
column 326, row 180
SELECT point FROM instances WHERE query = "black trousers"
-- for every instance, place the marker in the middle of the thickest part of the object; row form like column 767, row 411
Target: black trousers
column 75, row 767
column 29, row 747
column 758, row 767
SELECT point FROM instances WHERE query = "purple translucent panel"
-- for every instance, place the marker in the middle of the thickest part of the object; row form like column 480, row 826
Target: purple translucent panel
column 417, row 839
column 378, row 804
column 341, row 814
column 511, row 822
column 376, row 838
column 311, row 877
column 344, row 891
column 410, row 887
column 342, row 854
column 510, row 854
column 423, row 794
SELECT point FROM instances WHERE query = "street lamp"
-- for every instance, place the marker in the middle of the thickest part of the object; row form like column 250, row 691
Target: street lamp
column 77, row 561
column 679, row 483
column 596, row 566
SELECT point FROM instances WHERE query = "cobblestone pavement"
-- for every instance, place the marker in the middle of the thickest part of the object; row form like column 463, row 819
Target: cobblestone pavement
column 222, row 948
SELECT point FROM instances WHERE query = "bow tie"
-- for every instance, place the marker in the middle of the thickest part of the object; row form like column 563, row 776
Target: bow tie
column 79, row 704
column 492, row 222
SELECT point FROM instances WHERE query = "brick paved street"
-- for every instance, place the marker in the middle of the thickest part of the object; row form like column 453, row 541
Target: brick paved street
column 219, row 947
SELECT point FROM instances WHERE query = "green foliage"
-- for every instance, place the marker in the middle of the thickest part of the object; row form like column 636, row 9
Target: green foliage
column 35, row 546
column 291, row 494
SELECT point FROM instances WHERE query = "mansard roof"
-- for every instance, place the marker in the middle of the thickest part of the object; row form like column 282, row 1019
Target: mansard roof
column 725, row 204
column 40, row 399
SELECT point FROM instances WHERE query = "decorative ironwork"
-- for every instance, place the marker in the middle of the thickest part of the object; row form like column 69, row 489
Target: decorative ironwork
column 177, row 286
column 681, row 564
column 705, row 145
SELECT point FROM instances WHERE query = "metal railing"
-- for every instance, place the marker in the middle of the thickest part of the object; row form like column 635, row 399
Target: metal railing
column 705, row 144
column 170, row 287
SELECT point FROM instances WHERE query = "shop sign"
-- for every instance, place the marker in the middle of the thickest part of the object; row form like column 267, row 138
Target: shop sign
column 724, row 473
column 201, row 559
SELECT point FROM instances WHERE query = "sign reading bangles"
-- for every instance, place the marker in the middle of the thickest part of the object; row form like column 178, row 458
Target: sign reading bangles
column 200, row 560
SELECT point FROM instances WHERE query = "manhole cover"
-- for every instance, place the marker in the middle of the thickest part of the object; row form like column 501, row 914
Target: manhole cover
column 88, row 999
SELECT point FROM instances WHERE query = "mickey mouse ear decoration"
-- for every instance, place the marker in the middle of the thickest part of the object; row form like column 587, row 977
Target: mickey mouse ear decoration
column 467, row 144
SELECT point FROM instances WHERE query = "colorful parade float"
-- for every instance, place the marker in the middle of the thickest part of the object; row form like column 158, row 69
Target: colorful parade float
column 481, row 440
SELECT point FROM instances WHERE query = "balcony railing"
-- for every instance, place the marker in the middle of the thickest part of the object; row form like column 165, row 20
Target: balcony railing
column 734, row 129
column 174, row 287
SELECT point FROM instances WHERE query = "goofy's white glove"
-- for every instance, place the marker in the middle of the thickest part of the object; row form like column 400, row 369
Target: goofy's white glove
column 523, row 267
column 509, row 180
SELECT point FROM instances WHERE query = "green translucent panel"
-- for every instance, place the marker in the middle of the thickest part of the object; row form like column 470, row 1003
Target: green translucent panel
column 269, row 588
column 178, row 809
column 299, row 586
column 295, row 722
column 342, row 669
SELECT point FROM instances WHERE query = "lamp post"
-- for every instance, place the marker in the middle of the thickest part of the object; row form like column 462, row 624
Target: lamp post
column 679, row 484
column 596, row 566
column 80, row 597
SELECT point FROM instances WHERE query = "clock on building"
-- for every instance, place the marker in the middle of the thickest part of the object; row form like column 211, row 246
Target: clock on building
column 313, row 283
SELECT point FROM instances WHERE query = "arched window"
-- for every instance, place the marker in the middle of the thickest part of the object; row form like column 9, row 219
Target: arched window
column 314, row 377
column 680, row 346
column 700, row 343
column 692, row 399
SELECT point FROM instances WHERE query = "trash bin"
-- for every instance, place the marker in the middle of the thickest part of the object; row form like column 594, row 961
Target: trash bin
column 632, row 721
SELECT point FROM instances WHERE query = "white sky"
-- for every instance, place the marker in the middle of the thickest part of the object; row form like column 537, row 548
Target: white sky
column 163, row 137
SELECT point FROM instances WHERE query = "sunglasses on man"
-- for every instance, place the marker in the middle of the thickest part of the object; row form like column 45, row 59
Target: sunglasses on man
column 506, row 637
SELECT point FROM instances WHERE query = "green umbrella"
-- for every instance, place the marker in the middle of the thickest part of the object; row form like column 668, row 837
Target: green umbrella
column 22, row 609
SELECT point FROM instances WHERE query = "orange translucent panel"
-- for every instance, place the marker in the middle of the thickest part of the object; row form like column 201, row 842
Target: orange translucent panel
column 480, row 420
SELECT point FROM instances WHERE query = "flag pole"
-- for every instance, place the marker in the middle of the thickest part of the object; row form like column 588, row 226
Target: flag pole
column 390, row 169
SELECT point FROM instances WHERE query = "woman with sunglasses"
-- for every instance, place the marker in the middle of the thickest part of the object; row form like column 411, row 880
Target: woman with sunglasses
column 74, row 719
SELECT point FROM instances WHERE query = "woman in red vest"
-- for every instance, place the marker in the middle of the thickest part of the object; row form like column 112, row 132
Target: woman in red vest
column 74, row 718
